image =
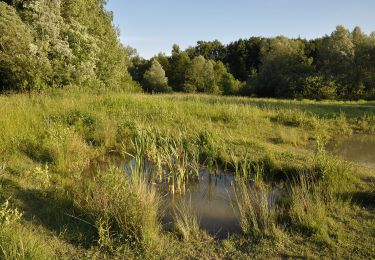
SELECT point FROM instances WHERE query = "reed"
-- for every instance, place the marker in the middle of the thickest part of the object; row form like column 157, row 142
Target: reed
column 257, row 216
column 186, row 222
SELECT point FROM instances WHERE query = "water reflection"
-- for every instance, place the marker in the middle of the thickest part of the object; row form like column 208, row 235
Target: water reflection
column 357, row 148
column 210, row 198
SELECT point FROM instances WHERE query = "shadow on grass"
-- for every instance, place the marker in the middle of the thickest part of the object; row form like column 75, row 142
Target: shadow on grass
column 56, row 212
column 323, row 109
column 365, row 199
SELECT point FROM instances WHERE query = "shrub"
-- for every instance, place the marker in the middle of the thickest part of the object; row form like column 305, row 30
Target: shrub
column 316, row 87
column 190, row 88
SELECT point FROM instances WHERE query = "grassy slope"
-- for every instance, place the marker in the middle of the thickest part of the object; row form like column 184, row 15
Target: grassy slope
column 47, row 142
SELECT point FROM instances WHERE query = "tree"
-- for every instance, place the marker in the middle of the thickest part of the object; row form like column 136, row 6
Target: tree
column 137, row 68
column 243, row 56
column 155, row 79
column 18, row 70
column 201, row 75
column 229, row 84
column 164, row 61
column 65, row 42
column 195, row 73
column 179, row 63
column 111, row 57
column 284, row 67
column 210, row 50
column 337, row 59
column 363, row 71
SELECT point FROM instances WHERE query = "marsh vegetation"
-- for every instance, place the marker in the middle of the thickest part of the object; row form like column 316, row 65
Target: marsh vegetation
column 92, row 168
column 66, row 191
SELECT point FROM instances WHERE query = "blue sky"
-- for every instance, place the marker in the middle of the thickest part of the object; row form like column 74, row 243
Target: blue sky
column 152, row 26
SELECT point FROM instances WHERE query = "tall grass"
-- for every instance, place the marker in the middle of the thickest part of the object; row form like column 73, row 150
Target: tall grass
column 17, row 242
column 53, row 142
column 308, row 207
column 125, row 211
column 257, row 215
column 317, row 191
column 186, row 221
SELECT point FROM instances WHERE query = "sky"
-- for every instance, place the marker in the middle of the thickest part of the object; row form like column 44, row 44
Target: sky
column 153, row 26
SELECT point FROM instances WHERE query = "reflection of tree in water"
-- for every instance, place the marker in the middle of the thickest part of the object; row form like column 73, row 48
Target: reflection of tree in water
column 214, row 187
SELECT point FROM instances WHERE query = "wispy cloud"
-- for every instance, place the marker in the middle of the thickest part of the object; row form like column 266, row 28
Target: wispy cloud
column 139, row 39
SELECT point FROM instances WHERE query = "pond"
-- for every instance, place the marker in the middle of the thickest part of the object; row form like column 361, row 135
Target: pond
column 210, row 199
column 358, row 149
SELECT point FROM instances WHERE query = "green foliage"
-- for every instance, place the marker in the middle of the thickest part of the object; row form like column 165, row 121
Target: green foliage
column 18, row 66
column 123, row 210
column 284, row 67
column 60, row 43
column 339, row 66
column 155, row 79
column 316, row 87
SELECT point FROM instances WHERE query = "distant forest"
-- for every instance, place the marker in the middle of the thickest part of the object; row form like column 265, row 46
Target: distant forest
column 338, row 66
column 58, row 43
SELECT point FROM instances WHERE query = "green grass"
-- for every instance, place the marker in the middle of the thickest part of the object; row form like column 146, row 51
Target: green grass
column 59, row 151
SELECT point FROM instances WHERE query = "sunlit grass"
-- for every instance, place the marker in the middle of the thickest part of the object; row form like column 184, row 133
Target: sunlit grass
column 55, row 165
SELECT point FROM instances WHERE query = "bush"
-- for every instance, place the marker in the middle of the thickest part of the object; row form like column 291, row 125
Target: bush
column 316, row 87
column 190, row 88
column 230, row 85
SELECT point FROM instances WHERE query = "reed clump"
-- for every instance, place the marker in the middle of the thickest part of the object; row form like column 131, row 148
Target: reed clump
column 257, row 214
column 186, row 222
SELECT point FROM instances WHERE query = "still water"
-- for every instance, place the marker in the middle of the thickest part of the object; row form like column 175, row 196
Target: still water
column 358, row 149
column 210, row 199
column 212, row 196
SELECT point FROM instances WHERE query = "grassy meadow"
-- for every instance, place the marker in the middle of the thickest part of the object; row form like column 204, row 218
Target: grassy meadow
column 64, row 195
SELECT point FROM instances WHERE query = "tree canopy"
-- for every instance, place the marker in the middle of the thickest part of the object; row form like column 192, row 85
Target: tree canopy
column 155, row 79
column 56, row 43
column 336, row 66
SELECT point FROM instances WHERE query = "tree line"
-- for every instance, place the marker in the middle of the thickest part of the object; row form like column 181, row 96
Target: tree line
column 336, row 66
column 55, row 43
